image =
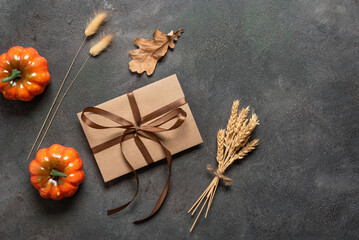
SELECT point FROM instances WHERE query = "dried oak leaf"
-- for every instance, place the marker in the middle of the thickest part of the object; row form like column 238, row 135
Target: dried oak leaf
column 150, row 51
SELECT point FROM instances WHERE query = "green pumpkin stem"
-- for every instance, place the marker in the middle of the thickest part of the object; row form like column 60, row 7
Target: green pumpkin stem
column 55, row 173
column 15, row 74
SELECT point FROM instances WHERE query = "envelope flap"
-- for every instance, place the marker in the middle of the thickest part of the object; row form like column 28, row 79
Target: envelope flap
column 158, row 94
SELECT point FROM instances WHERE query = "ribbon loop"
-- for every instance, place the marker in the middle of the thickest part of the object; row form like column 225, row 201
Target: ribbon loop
column 117, row 119
column 137, row 129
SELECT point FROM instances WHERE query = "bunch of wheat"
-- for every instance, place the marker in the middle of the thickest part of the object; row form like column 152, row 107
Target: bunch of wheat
column 233, row 144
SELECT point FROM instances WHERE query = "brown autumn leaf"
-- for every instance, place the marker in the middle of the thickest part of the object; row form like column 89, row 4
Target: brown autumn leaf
column 149, row 52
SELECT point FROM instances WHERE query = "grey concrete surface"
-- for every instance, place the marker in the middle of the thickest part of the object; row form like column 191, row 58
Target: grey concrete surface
column 294, row 62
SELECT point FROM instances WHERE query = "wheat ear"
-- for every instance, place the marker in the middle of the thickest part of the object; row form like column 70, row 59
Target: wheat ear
column 232, row 119
column 220, row 145
column 230, row 128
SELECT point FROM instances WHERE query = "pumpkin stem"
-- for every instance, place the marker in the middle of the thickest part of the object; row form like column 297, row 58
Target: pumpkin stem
column 55, row 173
column 15, row 74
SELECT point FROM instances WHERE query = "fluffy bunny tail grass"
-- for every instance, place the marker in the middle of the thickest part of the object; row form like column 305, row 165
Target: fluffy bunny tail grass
column 95, row 23
column 101, row 45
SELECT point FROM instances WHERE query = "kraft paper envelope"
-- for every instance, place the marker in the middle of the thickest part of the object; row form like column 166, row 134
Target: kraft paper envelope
column 149, row 99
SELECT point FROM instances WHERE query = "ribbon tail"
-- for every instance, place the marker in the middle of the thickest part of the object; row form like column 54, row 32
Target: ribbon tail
column 115, row 210
column 141, row 146
column 167, row 186
column 159, row 202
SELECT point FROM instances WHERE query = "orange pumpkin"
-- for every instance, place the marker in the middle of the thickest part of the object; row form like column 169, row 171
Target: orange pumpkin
column 56, row 172
column 23, row 74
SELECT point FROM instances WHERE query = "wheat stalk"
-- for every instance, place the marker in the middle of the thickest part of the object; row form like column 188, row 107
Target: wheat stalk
column 97, row 49
column 91, row 29
column 232, row 145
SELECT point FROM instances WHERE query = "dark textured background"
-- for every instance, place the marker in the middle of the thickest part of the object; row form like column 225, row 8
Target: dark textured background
column 294, row 62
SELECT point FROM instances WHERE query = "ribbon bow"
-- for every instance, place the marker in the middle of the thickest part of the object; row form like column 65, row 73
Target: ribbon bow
column 140, row 127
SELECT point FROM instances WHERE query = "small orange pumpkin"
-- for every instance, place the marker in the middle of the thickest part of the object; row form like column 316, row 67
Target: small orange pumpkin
column 56, row 172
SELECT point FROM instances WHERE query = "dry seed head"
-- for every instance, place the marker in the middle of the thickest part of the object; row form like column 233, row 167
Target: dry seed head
column 101, row 45
column 220, row 145
column 232, row 121
column 244, row 142
column 240, row 120
column 247, row 149
column 241, row 135
column 233, row 117
column 247, row 130
column 254, row 119
column 95, row 24
column 253, row 122
column 238, row 140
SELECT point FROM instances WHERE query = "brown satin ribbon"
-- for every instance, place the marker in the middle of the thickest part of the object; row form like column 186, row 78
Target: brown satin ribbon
column 140, row 127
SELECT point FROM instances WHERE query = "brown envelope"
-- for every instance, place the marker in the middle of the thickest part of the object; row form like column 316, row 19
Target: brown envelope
column 149, row 99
